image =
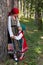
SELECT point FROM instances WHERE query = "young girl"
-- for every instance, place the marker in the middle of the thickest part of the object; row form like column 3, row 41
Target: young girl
column 22, row 41
column 12, row 21
column 13, row 16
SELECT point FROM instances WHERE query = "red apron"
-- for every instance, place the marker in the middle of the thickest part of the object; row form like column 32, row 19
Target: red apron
column 24, row 44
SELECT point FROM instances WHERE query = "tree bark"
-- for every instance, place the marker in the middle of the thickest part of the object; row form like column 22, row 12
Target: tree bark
column 3, row 29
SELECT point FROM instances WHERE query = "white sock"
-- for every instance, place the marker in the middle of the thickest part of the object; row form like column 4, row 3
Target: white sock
column 16, row 59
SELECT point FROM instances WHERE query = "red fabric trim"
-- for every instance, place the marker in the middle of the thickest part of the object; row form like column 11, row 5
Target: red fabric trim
column 24, row 44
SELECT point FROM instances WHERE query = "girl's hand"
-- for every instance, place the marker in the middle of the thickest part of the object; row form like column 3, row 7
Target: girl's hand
column 12, row 37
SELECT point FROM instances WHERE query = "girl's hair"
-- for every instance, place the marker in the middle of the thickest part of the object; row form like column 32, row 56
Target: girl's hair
column 13, row 11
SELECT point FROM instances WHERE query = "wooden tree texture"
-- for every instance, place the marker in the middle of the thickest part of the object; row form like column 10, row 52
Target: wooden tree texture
column 3, row 29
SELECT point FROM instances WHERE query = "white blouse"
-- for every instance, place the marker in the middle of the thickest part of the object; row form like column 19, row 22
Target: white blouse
column 19, row 36
column 9, row 26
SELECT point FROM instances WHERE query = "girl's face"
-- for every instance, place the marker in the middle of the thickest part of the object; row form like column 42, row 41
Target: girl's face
column 19, row 28
column 14, row 16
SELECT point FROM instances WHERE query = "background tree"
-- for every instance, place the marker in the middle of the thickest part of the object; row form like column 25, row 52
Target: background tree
column 38, row 17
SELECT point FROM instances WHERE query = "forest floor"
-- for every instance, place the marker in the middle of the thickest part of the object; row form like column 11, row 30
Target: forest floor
column 34, row 37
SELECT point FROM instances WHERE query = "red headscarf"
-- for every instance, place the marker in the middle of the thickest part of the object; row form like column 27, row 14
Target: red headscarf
column 14, row 11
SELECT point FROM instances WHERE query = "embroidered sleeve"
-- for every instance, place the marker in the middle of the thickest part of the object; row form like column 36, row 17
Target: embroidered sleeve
column 9, row 26
column 19, row 36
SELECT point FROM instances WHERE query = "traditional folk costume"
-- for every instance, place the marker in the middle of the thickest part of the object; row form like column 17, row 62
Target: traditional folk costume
column 12, row 30
column 12, row 22
column 23, row 45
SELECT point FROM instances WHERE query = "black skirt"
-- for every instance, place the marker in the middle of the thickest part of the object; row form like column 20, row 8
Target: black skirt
column 9, row 39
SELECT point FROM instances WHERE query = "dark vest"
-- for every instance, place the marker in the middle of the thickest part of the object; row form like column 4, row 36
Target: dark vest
column 14, row 26
column 15, row 31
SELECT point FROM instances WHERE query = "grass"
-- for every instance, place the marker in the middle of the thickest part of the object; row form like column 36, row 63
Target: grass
column 34, row 40
column 35, row 44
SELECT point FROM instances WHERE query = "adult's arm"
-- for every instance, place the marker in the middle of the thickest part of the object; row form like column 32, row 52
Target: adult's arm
column 18, row 37
column 9, row 27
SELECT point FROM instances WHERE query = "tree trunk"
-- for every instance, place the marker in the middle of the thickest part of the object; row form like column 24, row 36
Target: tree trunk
column 3, row 29
column 15, row 3
column 38, row 17
column 24, row 8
